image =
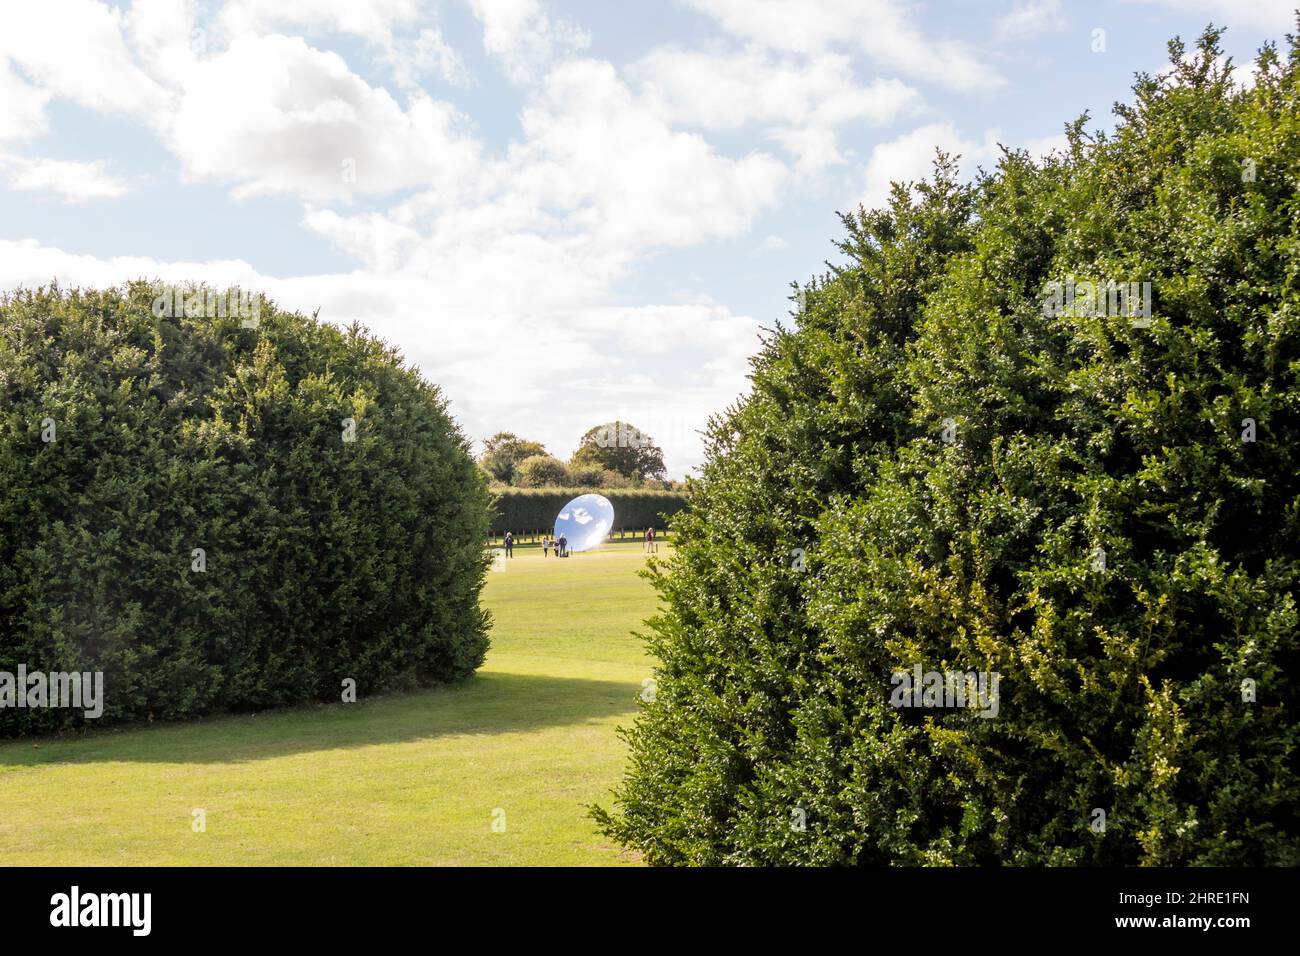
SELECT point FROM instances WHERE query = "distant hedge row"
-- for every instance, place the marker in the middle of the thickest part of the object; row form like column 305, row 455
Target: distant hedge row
column 221, row 517
column 534, row 509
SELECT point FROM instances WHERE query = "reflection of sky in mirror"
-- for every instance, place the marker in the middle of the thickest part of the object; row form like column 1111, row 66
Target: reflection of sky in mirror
column 585, row 521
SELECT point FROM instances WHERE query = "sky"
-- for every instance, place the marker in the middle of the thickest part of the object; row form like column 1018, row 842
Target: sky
column 562, row 213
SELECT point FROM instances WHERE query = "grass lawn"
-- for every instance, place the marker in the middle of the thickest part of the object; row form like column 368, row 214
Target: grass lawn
column 405, row 779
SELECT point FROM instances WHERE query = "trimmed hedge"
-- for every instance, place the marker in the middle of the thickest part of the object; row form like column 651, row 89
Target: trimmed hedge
column 325, row 558
column 934, row 469
column 534, row 509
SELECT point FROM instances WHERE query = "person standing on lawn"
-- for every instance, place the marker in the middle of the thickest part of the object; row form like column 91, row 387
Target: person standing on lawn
column 510, row 545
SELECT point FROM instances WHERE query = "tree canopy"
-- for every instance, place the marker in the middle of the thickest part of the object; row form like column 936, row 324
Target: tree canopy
column 504, row 452
column 541, row 471
column 622, row 448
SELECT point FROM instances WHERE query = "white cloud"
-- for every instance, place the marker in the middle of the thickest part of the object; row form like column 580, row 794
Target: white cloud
column 165, row 37
column 598, row 180
column 23, row 114
column 524, row 37
column 801, row 101
column 727, row 91
column 596, row 151
column 372, row 20
column 883, row 29
column 75, row 49
column 275, row 115
column 404, row 33
column 428, row 53
column 74, row 181
column 910, row 158
column 1028, row 19
column 27, row 262
column 374, row 239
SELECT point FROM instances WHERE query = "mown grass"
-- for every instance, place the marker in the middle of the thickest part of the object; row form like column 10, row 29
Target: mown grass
column 405, row 779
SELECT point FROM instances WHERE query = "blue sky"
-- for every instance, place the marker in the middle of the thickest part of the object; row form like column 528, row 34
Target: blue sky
column 561, row 212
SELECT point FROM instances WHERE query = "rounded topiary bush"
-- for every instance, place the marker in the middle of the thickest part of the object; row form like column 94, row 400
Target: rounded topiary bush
column 541, row 471
column 222, row 514
column 939, row 467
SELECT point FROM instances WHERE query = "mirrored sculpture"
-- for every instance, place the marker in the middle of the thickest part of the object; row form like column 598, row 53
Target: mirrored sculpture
column 585, row 521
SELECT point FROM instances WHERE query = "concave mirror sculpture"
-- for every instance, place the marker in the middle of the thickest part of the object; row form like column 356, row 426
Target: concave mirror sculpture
column 585, row 521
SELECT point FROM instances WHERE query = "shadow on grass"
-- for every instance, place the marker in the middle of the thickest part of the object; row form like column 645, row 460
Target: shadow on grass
column 486, row 704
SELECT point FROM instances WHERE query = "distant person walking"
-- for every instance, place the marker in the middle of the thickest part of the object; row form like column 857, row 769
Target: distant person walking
column 510, row 545
column 562, row 547
column 650, row 540
column 546, row 546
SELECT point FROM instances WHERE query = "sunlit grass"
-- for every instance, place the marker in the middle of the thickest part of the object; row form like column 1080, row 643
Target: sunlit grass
column 406, row 779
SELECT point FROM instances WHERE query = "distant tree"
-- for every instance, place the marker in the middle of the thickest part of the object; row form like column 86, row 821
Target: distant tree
column 620, row 447
column 504, row 452
column 541, row 471
column 587, row 477
column 612, row 479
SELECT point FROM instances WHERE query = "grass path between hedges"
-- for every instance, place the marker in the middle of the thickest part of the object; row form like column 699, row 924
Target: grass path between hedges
column 409, row 779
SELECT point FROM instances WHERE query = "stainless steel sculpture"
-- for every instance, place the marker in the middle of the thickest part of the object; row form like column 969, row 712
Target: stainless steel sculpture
column 584, row 522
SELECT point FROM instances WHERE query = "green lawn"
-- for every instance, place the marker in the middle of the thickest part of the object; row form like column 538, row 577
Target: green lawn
column 406, row 779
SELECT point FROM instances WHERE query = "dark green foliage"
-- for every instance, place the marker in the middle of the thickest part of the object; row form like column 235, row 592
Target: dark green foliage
column 326, row 559
column 534, row 509
column 541, row 471
column 504, row 452
column 587, row 477
column 1122, row 682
